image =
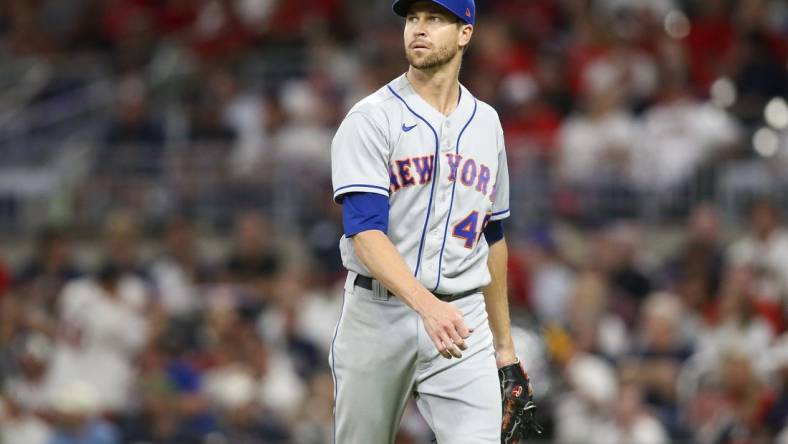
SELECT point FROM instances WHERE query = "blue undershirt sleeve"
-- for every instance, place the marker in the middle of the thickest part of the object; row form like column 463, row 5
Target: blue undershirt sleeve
column 493, row 232
column 364, row 211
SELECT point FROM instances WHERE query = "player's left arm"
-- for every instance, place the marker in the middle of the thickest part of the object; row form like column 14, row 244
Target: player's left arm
column 496, row 299
column 495, row 293
column 519, row 410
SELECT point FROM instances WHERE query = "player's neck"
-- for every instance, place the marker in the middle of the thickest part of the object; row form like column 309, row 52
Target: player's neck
column 439, row 86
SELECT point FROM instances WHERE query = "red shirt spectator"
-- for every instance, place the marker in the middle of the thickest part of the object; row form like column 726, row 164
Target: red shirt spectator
column 5, row 280
column 710, row 45
column 176, row 15
column 123, row 18
column 532, row 126
column 295, row 18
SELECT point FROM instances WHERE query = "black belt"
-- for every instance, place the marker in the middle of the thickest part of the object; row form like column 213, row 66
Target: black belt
column 366, row 282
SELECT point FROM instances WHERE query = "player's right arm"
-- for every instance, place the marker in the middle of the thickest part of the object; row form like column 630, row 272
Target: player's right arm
column 443, row 321
column 360, row 155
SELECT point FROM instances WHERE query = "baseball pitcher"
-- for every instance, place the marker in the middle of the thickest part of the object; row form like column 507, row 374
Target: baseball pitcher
column 420, row 170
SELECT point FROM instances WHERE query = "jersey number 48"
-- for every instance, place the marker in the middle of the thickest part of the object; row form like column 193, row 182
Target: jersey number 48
column 467, row 228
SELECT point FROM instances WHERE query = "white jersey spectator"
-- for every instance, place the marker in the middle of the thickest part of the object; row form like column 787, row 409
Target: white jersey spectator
column 679, row 135
column 631, row 423
column 601, row 140
column 764, row 249
column 580, row 413
column 101, row 329
column 24, row 430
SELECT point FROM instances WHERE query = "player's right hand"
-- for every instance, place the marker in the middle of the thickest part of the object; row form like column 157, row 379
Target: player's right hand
column 446, row 327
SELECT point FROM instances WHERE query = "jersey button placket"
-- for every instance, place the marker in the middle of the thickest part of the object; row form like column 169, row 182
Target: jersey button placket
column 439, row 209
column 446, row 136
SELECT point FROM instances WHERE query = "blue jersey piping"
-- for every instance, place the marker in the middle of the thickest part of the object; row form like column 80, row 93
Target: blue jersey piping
column 361, row 185
column 432, row 186
column 451, row 202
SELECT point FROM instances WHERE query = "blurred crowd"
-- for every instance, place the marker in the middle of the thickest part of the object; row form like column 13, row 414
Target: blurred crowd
column 183, row 284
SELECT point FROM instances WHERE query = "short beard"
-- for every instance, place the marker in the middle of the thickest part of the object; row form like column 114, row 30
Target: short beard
column 435, row 60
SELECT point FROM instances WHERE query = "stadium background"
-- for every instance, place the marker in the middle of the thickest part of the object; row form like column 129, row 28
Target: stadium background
column 169, row 269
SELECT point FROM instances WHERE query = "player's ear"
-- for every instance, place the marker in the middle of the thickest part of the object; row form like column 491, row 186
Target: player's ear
column 466, row 31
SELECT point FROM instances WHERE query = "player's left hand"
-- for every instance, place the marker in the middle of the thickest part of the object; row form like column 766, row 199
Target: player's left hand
column 519, row 409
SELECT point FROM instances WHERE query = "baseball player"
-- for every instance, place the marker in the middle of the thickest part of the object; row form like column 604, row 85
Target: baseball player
column 420, row 170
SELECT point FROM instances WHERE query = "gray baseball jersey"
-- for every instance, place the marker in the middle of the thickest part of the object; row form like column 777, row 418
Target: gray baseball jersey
column 445, row 176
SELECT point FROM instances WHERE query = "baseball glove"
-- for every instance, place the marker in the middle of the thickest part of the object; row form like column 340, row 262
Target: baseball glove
column 519, row 410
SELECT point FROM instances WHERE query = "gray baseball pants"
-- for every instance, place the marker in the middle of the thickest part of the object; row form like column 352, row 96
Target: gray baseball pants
column 381, row 355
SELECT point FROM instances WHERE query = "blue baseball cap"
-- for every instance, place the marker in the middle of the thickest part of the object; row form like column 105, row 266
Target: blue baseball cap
column 465, row 10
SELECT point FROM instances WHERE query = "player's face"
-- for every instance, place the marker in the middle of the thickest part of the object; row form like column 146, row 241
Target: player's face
column 433, row 36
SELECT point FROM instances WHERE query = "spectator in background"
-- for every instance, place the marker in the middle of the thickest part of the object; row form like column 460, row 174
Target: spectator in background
column 254, row 259
column 237, row 350
column 631, row 421
column 500, row 56
column 531, row 123
column 697, row 271
column 283, row 325
column 594, row 325
column 175, row 18
column 777, row 416
column 170, row 405
column 315, row 308
column 551, row 279
column 133, row 122
column 289, row 21
column 131, row 158
column 315, row 421
column 316, row 311
column 130, row 30
column 244, row 114
column 618, row 254
column 27, row 400
column 218, row 31
column 744, row 319
column 5, row 279
column 242, row 418
column 681, row 134
column 19, row 426
column 710, row 42
column 321, row 235
column 101, row 329
column 625, row 57
column 24, row 37
column 764, row 252
column 155, row 415
column 303, row 142
column 40, row 281
column 745, row 395
column 597, row 148
column 657, row 357
column 759, row 59
column 121, row 236
column 584, row 407
column 178, row 272
column 31, row 310
column 209, row 129
column 9, row 319
column 77, row 408
column 27, row 388
column 338, row 68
